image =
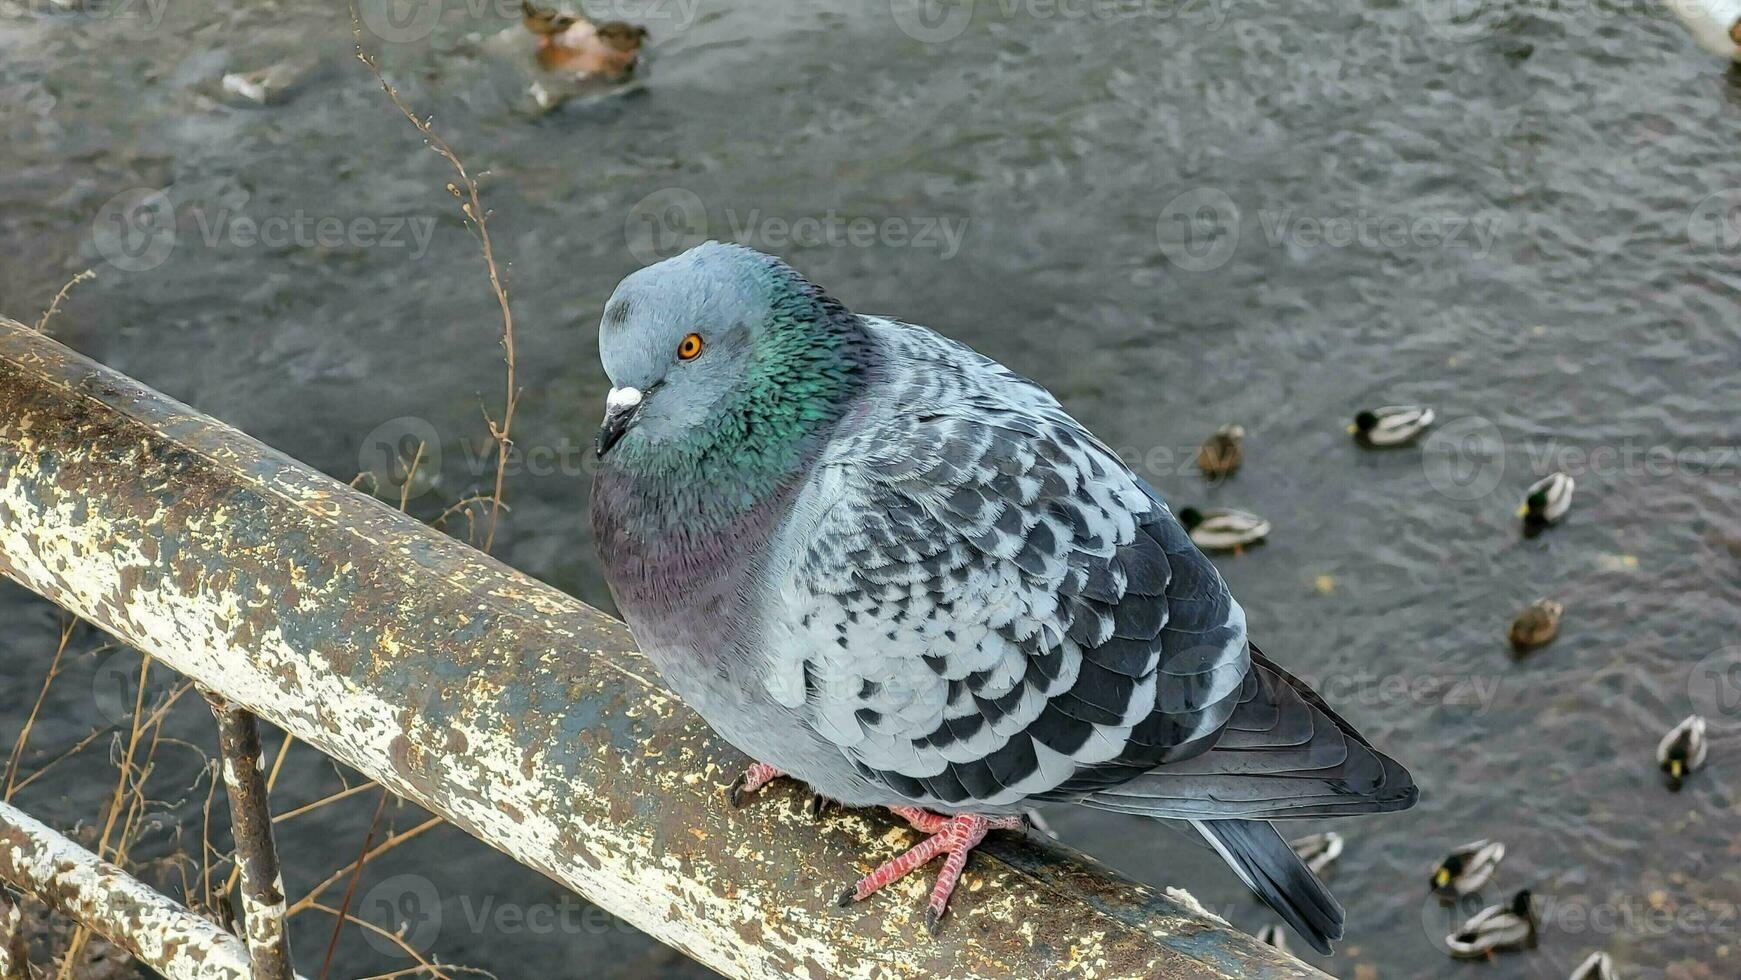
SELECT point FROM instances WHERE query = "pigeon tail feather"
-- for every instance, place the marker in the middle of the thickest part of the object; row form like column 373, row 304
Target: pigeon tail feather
column 1271, row 869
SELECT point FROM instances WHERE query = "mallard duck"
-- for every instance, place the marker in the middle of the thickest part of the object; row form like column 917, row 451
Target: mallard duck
column 1495, row 929
column 570, row 43
column 1598, row 966
column 1548, row 499
column 1467, row 868
column 1220, row 529
column 1222, row 452
column 1537, row 625
column 1392, row 425
column 1682, row 750
column 1715, row 24
column 1274, row 936
column 1319, row 851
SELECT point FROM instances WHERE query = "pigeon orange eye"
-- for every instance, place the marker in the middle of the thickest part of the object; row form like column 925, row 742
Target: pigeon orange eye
column 689, row 348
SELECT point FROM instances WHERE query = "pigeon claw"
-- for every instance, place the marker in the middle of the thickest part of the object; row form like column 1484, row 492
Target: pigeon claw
column 954, row 837
column 818, row 803
column 748, row 781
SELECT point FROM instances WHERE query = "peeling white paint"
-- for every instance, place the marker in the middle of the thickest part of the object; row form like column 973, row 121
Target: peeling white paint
column 164, row 935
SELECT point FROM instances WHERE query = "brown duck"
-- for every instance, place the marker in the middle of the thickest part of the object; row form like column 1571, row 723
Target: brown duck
column 570, row 43
column 1537, row 625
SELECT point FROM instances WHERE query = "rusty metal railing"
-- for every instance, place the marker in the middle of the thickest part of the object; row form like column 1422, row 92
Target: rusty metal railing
column 514, row 711
column 73, row 881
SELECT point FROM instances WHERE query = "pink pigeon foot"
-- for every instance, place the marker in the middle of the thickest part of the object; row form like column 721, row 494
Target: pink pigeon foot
column 750, row 780
column 954, row 836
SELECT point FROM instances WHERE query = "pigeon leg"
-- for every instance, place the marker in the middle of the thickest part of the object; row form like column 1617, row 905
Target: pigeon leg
column 954, row 836
column 818, row 803
column 750, row 780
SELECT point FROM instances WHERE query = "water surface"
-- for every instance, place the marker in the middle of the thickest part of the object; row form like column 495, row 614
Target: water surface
column 1174, row 217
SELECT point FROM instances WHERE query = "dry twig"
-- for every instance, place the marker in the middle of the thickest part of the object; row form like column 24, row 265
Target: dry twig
column 471, row 203
column 54, row 305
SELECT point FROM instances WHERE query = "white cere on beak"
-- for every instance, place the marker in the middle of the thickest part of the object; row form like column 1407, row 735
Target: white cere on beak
column 622, row 399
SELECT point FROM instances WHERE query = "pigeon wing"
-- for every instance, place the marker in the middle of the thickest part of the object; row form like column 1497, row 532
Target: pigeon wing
column 989, row 606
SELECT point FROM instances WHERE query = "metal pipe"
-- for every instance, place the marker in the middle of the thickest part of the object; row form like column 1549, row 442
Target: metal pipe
column 71, row 880
column 261, row 880
column 14, row 954
column 519, row 714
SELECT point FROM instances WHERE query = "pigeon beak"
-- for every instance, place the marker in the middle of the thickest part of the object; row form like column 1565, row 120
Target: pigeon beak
column 621, row 407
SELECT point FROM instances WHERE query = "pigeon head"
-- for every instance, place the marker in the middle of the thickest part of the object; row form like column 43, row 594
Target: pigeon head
column 722, row 350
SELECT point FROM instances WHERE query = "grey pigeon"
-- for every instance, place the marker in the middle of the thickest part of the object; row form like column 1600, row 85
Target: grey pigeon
column 881, row 563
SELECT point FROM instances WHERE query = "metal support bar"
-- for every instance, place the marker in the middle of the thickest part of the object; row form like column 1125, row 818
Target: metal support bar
column 521, row 715
column 71, row 880
column 14, row 956
column 261, row 881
